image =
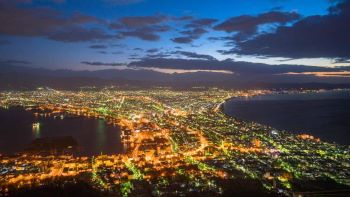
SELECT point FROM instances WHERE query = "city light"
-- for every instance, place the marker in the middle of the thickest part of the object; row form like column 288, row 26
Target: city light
column 173, row 139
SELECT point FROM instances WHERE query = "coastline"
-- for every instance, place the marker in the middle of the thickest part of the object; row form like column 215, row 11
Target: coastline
column 312, row 115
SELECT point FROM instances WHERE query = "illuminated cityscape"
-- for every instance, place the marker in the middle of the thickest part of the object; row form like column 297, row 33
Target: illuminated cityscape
column 176, row 142
column 167, row 98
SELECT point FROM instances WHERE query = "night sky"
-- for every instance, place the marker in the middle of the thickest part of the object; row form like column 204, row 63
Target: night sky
column 166, row 35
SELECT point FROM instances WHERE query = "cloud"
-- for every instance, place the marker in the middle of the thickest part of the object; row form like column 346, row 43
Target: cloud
column 199, row 23
column 190, row 35
column 102, row 64
column 118, row 45
column 183, row 18
column 79, row 34
column 21, row 21
column 157, row 55
column 4, row 42
column 135, row 22
column 98, row 46
column 245, row 25
column 324, row 36
column 194, row 55
column 323, row 74
column 12, row 61
column 59, row 1
column 46, row 22
column 117, row 52
column 243, row 68
column 154, row 50
column 142, row 27
column 140, row 21
column 149, row 36
column 193, row 30
column 14, row 2
column 134, row 56
column 194, row 33
column 182, row 40
column 122, row 2
column 342, row 60
column 148, row 33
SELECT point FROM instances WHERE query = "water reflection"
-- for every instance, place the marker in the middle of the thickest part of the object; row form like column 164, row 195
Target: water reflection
column 20, row 127
column 36, row 130
column 101, row 135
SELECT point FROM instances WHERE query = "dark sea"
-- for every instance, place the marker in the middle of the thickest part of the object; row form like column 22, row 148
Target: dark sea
column 94, row 136
column 323, row 114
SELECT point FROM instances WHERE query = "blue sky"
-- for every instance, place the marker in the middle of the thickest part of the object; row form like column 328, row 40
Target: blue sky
column 44, row 46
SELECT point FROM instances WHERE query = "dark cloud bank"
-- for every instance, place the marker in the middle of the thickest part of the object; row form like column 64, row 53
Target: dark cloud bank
column 325, row 36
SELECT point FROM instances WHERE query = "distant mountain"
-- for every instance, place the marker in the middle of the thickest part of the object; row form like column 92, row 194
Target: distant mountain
column 22, row 77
